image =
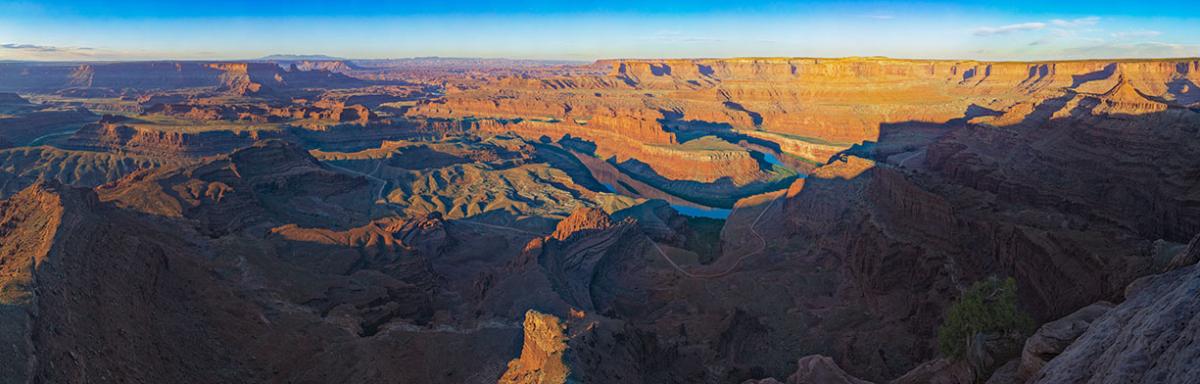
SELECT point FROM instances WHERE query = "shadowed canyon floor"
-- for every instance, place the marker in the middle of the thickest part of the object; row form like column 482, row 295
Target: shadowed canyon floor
column 762, row 220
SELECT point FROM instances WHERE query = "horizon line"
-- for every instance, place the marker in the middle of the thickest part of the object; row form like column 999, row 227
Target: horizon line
column 268, row 59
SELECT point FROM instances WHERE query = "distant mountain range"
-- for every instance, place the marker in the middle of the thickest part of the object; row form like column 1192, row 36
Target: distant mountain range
column 423, row 61
column 299, row 58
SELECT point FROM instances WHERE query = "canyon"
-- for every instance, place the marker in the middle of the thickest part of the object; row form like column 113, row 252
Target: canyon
column 741, row 220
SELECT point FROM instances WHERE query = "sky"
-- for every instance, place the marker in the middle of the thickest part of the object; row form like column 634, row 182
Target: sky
column 78, row 30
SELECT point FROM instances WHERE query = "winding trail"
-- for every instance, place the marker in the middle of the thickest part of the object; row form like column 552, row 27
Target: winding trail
column 40, row 140
column 736, row 264
column 910, row 157
column 383, row 183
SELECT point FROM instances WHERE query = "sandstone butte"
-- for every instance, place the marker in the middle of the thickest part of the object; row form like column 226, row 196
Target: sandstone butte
column 472, row 234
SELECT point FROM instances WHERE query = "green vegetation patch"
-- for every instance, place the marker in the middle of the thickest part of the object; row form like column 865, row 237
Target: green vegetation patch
column 988, row 307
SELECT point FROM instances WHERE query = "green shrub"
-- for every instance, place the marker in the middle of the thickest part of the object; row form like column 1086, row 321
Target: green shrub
column 989, row 307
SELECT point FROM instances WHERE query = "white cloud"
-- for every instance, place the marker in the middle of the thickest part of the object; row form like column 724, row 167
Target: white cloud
column 1060, row 25
column 21, row 51
column 1075, row 23
column 1055, row 34
column 37, row 48
column 989, row 31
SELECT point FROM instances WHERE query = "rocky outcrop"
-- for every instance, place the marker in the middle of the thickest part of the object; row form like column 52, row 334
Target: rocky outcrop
column 580, row 220
column 1052, row 338
column 1146, row 338
column 541, row 360
column 39, row 212
column 594, row 264
column 120, row 135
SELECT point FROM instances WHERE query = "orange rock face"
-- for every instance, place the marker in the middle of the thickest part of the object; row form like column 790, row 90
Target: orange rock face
column 581, row 219
column 541, row 360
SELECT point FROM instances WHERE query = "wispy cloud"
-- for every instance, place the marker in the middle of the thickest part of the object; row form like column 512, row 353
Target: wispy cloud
column 1076, row 23
column 1005, row 29
column 37, row 51
column 1055, row 34
column 1135, row 34
column 1058, row 24
column 36, row 48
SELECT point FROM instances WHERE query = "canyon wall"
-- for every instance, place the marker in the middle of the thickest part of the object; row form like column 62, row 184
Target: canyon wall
column 233, row 77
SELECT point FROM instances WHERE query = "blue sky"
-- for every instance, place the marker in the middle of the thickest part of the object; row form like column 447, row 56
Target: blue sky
column 588, row 30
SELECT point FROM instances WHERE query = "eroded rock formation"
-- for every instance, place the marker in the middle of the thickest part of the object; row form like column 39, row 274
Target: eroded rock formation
column 415, row 242
column 123, row 135
column 542, row 353
column 1146, row 338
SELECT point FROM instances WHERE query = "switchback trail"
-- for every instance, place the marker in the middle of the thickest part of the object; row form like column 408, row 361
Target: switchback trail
column 753, row 230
